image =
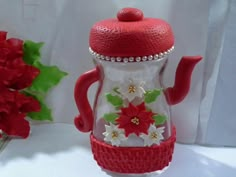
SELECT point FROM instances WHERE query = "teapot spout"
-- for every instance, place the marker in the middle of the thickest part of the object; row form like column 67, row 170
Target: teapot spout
column 178, row 92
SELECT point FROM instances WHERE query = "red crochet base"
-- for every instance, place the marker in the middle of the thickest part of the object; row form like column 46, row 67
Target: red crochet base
column 133, row 159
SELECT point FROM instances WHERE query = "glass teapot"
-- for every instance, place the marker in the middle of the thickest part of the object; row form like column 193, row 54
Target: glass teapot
column 130, row 122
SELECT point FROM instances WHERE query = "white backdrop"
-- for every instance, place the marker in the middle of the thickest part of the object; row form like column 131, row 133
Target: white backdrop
column 199, row 27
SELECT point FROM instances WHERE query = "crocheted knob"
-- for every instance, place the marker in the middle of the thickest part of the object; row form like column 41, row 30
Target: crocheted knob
column 130, row 14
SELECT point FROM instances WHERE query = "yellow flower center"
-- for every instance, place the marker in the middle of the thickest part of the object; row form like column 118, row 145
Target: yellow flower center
column 135, row 120
column 153, row 135
column 114, row 135
column 132, row 89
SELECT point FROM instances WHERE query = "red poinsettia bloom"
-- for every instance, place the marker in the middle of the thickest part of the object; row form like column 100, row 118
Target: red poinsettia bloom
column 13, row 109
column 14, row 72
column 10, row 48
column 18, row 78
column 135, row 119
column 26, row 104
column 15, row 75
column 23, row 74
column 14, row 124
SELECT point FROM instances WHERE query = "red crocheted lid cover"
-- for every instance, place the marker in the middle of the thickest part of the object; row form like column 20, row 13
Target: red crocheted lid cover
column 131, row 35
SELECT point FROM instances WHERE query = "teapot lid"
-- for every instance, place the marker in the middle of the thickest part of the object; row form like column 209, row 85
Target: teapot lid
column 131, row 38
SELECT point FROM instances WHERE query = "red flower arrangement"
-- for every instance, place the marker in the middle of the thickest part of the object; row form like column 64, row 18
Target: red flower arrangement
column 18, row 99
column 135, row 119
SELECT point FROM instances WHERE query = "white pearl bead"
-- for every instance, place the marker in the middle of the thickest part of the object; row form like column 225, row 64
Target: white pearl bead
column 156, row 57
column 102, row 57
column 126, row 60
column 144, row 58
column 98, row 56
column 150, row 57
column 161, row 55
column 118, row 59
column 131, row 59
column 138, row 59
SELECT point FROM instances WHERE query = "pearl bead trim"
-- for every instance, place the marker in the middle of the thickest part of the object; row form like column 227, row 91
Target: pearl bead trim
column 131, row 59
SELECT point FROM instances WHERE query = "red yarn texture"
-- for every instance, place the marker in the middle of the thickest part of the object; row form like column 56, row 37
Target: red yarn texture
column 133, row 159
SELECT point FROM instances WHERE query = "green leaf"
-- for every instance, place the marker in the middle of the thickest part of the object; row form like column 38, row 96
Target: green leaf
column 160, row 119
column 45, row 112
column 111, row 117
column 32, row 51
column 49, row 77
column 114, row 100
column 151, row 96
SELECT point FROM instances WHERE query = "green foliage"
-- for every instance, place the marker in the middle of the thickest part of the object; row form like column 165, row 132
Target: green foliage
column 159, row 119
column 114, row 100
column 45, row 112
column 49, row 77
column 32, row 51
column 111, row 117
column 152, row 95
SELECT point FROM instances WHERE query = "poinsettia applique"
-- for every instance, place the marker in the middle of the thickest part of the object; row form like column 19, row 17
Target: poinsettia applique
column 154, row 135
column 131, row 89
column 114, row 134
column 135, row 119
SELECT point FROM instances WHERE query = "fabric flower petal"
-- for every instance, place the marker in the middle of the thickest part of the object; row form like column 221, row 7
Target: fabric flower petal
column 28, row 74
column 15, row 43
column 14, row 124
column 16, row 48
column 27, row 103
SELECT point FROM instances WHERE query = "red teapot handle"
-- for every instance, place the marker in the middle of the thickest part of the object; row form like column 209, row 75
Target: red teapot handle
column 84, row 121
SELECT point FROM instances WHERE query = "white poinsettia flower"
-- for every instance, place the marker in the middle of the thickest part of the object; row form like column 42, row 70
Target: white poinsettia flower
column 114, row 135
column 154, row 135
column 131, row 89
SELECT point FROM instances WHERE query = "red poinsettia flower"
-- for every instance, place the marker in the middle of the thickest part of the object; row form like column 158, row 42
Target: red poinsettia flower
column 23, row 74
column 13, row 109
column 26, row 104
column 14, row 72
column 14, row 124
column 18, row 101
column 13, row 48
column 135, row 119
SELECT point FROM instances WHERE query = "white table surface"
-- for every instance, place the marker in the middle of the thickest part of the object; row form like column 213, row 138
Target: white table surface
column 59, row 150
